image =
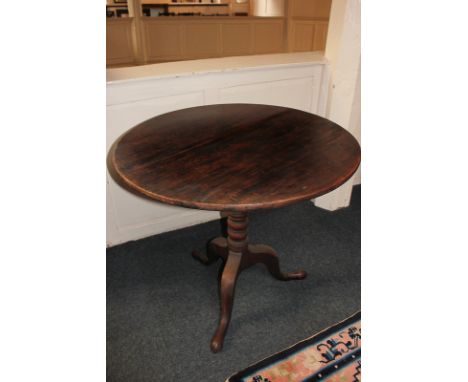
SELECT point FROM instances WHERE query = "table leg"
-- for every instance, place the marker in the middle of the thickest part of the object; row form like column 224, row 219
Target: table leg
column 259, row 253
column 215, row 249
column 238, row 255
column 236, row 244
column 227, row 286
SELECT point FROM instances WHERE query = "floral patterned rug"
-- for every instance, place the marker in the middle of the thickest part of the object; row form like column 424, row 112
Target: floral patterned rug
column 333, row 355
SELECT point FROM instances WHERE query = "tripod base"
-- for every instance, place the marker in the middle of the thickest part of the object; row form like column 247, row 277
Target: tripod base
column 238, row 255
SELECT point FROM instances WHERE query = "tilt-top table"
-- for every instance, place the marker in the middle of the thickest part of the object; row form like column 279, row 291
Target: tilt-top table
column 234, row 158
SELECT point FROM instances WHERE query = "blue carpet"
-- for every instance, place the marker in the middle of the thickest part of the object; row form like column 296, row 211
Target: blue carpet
column 162, row 305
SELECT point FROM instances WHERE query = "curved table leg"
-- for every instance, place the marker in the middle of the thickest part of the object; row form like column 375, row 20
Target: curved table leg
column 259, row 253
column 215, row 249
column 228, row 284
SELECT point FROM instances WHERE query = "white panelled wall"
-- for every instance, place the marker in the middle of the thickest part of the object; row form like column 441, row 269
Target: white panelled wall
column 296, row 80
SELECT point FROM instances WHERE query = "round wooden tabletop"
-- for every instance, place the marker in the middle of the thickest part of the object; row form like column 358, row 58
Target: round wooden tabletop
column 234, row 157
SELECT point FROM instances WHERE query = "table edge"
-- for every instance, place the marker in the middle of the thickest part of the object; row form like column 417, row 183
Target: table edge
column 138, row 191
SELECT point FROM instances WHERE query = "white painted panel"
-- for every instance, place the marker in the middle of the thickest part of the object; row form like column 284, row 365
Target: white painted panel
column 300, row 93
column 133, row 211
column 141, row 89
column 112, row 232
column 122, row 117
column 255, row 76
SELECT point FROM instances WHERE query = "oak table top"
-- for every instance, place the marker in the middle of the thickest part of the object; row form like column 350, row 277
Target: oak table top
column 235, row 157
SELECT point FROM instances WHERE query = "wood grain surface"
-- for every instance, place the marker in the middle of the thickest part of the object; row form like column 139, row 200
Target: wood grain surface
column 234, row 157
